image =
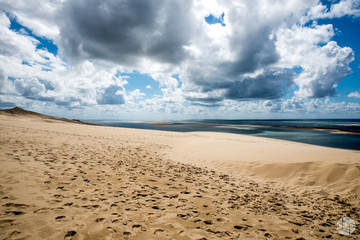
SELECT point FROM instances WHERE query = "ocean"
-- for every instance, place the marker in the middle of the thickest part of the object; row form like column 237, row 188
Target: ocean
column 336, row 133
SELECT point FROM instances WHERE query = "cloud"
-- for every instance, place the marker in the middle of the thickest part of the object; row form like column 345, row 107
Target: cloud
column 28, row 73
column 336, row 9
column 13, row 44
column 355, row 94
column 292, row 107
column 6, row 86
column 343, row 8
column 268, row 85
column 238, row 61
column 170, row 102
column 325, row 68
column 265, row 85
column 165, row 80
column 262, row 60
column 30, row 88
column 38, row 15
column 111, row 95
column 322, row 62
column 126, row 31
column 132, row 97
column 261, row 51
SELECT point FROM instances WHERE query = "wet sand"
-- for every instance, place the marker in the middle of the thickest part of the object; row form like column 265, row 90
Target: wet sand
column 62, row 180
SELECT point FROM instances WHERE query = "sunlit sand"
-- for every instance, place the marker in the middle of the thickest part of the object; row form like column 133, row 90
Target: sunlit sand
column 63, row 180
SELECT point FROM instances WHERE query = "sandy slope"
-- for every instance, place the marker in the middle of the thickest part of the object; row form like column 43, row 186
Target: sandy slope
column 335, row 170
column 69, row 181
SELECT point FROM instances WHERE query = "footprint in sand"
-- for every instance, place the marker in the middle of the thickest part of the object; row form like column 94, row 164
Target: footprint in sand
column 15, row 212
column 58, row 218
column 99, row 219
column 138, row 228
column 15, row 205
column 160, row 232
column 69, row 235
column 242, row 227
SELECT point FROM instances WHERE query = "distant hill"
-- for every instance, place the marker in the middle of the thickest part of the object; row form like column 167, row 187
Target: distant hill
column 16, row 111
column 20, row 111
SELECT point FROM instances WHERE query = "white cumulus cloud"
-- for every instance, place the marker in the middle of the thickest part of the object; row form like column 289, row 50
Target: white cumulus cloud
column 355, row 94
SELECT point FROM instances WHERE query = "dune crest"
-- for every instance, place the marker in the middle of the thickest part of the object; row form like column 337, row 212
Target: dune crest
column 20, row 113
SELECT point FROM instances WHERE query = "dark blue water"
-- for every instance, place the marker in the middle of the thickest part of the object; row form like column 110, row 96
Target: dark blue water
column 313, row 131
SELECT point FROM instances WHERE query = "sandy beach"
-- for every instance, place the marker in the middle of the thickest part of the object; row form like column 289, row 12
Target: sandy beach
column 63, row 180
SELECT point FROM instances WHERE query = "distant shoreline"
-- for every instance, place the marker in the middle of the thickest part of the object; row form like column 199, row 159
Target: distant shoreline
column 349, row 131
column 335, row 133
column 327, row 134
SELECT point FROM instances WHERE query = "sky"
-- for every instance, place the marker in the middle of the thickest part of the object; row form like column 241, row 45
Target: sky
column 181, row 59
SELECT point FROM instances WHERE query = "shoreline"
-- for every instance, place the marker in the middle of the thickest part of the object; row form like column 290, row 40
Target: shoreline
column 321, row 136
column 60, row 180
column 335, row 130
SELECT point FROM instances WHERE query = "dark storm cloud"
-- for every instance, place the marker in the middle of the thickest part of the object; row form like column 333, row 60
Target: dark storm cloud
column 124, row 31
column 251, row 45
column 253, row 51
column 269, row 85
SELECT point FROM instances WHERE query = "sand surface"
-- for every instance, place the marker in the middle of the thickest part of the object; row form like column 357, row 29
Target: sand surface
column 61, row 180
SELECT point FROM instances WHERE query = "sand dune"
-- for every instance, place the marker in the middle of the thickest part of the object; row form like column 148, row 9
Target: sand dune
column 60, row 180
column 334, row 170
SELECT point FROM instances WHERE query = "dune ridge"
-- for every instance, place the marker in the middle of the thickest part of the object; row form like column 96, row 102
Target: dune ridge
column 60, row 180
column 18, row 112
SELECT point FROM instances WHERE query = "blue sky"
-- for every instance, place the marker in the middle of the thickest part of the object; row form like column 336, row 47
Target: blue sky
column 43, row 42
column 348, row 34
column 137, row 60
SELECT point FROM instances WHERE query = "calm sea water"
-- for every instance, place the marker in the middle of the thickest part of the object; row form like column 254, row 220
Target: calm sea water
column 278, row 129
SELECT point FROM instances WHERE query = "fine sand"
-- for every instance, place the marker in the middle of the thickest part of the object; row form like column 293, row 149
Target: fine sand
column 62, row 180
